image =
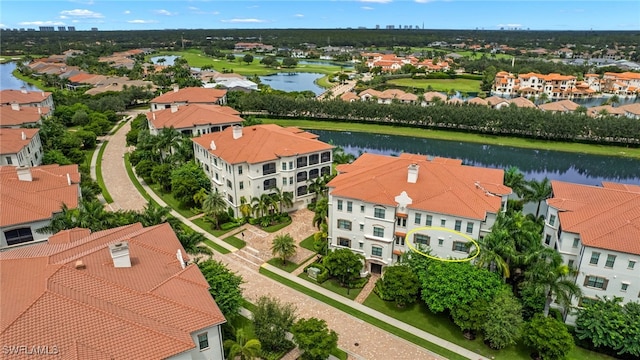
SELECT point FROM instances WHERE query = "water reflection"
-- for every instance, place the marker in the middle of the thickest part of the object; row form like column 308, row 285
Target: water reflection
column 8, row 81
column 535, row 164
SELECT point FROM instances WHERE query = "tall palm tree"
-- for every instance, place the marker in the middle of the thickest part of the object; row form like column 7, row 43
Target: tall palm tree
column 287, row 199
column 191, row 240
column 514, row 179
column 242, row 348
column 276, row 199
column 245, row 207
column 213, row 205
column 321, row 210
column 166, row 140
column 539, row 191
column 283, row 246
column 547, row 275
column 496, row 251
column 154, row 215
column 65, row 219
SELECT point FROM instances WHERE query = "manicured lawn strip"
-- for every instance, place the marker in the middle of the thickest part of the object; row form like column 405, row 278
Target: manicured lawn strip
column 289, row 266
column 276, row 227
column 172, row 202
column 235, row 242
column 88, row 155
column 324, row 82
column 118, row 127
column 207, row 226
column 135, row 181
column 362, row 316
column 99, row 179
column 461, row 136
column 307, row 243
column 216, row 247
column 339, row 354
column 444, row 85
column 334, row 286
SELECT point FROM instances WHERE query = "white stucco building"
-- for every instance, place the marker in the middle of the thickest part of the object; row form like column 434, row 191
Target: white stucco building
column 20, row 147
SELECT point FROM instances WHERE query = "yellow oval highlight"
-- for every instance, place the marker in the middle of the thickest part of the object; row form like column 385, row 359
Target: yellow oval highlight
column 475, row 243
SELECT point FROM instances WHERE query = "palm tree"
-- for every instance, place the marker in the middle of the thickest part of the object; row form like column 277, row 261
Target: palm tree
column 154, row 215
column 245, row 207
column 242, row 348
column 320, row 239
column 539, row 191
column 284, row 246
column 547, row 275
column 286, row 199
column 496, row 251
column 63, row 220
column 514, row 179
column 191, row 240
column 166, row 139
column 213, row 205
column 340, row 157
column 321, row 210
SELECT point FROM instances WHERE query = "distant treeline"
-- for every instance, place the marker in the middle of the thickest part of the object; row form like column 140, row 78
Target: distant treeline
column 44, row 43
column 510, row 121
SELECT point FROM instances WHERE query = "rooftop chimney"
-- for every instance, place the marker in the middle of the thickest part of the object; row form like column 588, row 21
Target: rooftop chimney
column 179, row 256
column 39, row 110
column 15, row 106
column 24, row 173
column 68, row 179
column 23, row 90
column 120, row 254
column 176, row 88
column 412, row 174
column 174, row 107
column 237, row 132
column 24, row 136
column 153, row 115
column 80, row 265
column 212, row 145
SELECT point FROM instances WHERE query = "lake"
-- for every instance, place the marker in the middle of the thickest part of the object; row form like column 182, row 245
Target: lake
column 8, row 81
column 534, row 164
column 293, row 82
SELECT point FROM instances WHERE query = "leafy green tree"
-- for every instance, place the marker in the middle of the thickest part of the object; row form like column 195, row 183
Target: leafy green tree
column 214, row 205
column 248, row 59
column 80, row 118
column 289, row 62
column 548, row 337
column 144, row 169
column 161, row 175
column 314, row 338
column 272, row 320
column 321, row 212
column 242, row 348
column 283, row 246
column 224, row 286
column 345, row 265
column 186, row 181
column 470, row 317
column 320, row 244
column 503, row 323
column 88, row 139
column 55, row 157
column 399, row 284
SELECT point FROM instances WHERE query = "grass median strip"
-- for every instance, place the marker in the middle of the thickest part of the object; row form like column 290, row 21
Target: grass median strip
column 362, row 316
column 99, row 179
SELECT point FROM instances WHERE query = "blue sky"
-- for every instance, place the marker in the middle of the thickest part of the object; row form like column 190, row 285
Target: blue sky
column 245, row 14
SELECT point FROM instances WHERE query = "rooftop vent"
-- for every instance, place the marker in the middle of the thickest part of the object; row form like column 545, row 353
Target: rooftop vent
column 24, row 173
column 237, row 132
column 24, row 136
column 15, row 106
column 176, row 88
column 412, row 173
column 120, row 254
column 179, row 256
column 212, row 146
column 80, row 265
column 174, row 107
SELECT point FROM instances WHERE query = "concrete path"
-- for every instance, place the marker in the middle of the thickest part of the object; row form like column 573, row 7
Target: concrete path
column 358, row 338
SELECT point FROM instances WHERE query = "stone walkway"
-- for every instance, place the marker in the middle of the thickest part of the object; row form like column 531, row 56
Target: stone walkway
column 358, row 338
column 367, row 289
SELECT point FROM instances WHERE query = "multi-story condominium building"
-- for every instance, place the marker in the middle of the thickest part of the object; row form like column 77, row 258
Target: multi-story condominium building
column 26, row 98
column 20, row 147
column 122, row 293
column 251, row 161
column 193, row 119
column 377, row 200
column 30, row 196
column 625, row 84
column 555, row 86
column 15, row 116
column 189, row 95
column 596, row 230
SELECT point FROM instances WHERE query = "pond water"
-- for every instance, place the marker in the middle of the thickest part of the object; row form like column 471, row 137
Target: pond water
column 534, row 164
column 293, row 82
column 8, row 81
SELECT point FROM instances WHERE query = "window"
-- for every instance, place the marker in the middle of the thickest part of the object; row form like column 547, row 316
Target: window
column 344, row 242
column 417, row 219
column 440, row 241
column 301, row 176
column 379, row 213
column 632, row 264
column 269, row 168
column 216, row 175
column 376, row 251
column 215, row 161
column 595, row 256
column 570, row 264
column 469, row 227
column 361, row 245
column 291, row 180
column 361, row 227
column 340, row 205
column 314, row 159
column 401, row 222
column 284, row 165
column 230, row 198
column 443, row 222
column 576, row 241
column 552, row 220
column 9, row 161
column 325, row 170
column 459, row 246
column 269, row 184
column 302, row 190
column 378, row 231
column 422, row 239
column 547, row 239
column 624, row 287
column 611, row 259
column 349, row 206
column 361, row 208
column 458, row 225
column 325, row 156
column 301, row 161
column 229, row 184
column 239, row 169
column 203, row 341
column 206, row 167
column 18, row 236
column 313, row 173
column 400, row 240
column 596, row 282
column 344, row 224
column 429, row 220
column 241, row 185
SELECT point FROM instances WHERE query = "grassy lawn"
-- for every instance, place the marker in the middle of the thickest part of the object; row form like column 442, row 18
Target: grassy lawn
column 362, row 316
column 216, row 247
column 208, row 227
column 289, row 266
column 444, row 85
column 334, row 286
column 235, row 242
column 135, row 181
column 460, row 136
column 172, row 202
column 99, row 180
column 276, row 227
column 307, row 243
column 324, row 82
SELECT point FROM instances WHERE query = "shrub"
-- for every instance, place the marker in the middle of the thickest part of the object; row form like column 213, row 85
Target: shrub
column 229, row 226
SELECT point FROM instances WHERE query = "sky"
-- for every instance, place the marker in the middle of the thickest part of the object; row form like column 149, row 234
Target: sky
column 315, row 14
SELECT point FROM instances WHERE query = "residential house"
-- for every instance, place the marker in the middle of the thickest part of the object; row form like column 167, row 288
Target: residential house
column 563, row 106
column 478, row 102
column 625, row 84
column 597, row 111
column 20, row 147
column 631, row 110
column 506, row 83
column 16, row 116
column 497, row 102
column 349, row 97
column 593, row 80
column 377, row 200
column 251, row 161
column 248, row 46
column 30, row 196
column 26, row 98
column 596, row 231
column 123, row 293
column 193, row 119
column 432, row 97
column 522, row 102
column 189, row 95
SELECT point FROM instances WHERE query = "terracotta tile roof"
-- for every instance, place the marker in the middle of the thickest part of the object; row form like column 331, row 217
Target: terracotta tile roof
column 25, row 115
column 595, row 110
column 443, row 186
column 495, row 100
column 562, row 105
column 349, row 96
column 81, row 78
column 147, row 311
column 631, row 108
column 432, row 95
column 478, row 101
column 606, row 217
column 27, row 201
column 261, row 143
column 191, row 115
column 522, row 102
column 23, row 97
column 191, row 95
column 11, row 139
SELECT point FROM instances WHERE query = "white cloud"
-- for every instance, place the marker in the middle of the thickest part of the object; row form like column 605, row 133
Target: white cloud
column 377, row 1
column 63, row 17
column 139, row 21
column 367, row 8
column 244, row 21
column 164, row 12
column 253, row 7
column 41, row 23
column 126, row 12
column 298, row 15
column 3, row 26
column 192, row 8
column 82, row 13
column 509, row 25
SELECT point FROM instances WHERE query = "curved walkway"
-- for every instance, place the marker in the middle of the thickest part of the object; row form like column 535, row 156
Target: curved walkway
column 360, row 339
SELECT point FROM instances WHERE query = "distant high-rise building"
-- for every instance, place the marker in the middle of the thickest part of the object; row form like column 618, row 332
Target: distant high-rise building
column 94, row 29
column 391, row 27
column 47, row 28
column 62, row 28
column 71, row 28
column 377, row 26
